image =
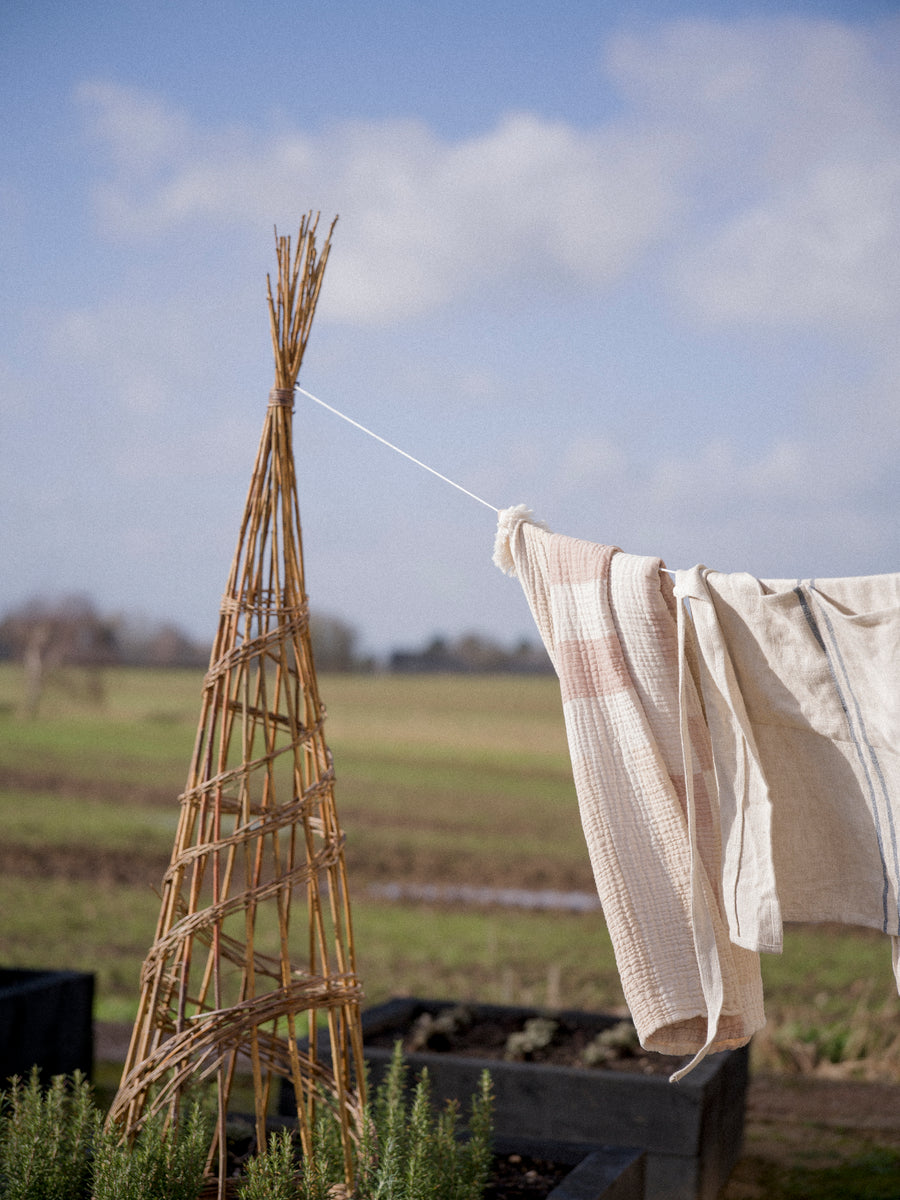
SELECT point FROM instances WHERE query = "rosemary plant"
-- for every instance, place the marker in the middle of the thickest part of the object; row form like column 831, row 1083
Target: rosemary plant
column 271, row 1174
column 45, row 1138
column 405, row 1152
column 162, row 1164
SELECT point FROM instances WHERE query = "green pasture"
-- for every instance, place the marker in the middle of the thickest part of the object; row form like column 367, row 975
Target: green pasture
column 441, row 779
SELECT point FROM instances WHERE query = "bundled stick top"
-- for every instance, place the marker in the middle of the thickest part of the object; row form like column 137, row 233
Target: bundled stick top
column 292, row 308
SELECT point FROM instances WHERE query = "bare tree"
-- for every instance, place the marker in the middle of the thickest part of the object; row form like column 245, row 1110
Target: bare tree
column 64, row 640
column 334, row 644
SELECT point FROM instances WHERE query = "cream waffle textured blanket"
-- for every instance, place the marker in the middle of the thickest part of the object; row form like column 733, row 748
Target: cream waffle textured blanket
column 608, row 621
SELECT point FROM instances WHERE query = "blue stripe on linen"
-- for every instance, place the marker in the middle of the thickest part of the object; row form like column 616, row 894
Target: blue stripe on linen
column 811, row 622
column 875, row 763
column 830, row 657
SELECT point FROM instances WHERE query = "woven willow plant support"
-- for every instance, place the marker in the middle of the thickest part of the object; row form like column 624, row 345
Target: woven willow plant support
column 254, row 929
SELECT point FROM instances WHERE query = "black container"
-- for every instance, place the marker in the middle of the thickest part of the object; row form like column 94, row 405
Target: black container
column 46, row 1020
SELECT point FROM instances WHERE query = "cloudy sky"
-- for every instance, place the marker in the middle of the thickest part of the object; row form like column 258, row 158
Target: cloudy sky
column 636, row 265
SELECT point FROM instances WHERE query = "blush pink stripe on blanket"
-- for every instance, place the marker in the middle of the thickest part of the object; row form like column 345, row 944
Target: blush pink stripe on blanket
column 611, row 634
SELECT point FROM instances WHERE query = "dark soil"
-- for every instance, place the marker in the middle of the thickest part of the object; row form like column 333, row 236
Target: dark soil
column 518, row 1177
column 488, row 1037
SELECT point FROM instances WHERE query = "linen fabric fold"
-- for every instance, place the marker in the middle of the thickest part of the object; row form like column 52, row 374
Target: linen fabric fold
column 650, row 819
column 801, row 683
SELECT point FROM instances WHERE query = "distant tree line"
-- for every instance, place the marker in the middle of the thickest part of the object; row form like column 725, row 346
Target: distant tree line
column 473, row 654
column 69, row 642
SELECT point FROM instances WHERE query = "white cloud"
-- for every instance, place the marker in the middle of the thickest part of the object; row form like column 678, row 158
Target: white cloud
column 761, row 156
column 141, row 133
column 782, row 89
column 797, row 174
column 822, row 251
column 424, row 220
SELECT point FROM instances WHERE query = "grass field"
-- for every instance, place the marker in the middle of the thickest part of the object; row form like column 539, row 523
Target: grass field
column 449, row 780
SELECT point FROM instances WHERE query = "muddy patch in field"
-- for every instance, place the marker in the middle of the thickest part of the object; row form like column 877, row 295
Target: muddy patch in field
column 429, row 877
column 543, row 899
column 401, row 872
column 54, row 783
column 415, row 866
column 431, row 860
column 91, row 863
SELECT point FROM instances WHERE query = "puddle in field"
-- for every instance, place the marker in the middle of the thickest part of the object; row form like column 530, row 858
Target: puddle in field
column 451, row 893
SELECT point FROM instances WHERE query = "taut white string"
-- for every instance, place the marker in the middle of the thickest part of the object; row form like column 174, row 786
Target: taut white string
column 391, row 446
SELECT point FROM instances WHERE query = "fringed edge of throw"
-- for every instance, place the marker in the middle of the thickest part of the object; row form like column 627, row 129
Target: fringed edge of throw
column 508, row 519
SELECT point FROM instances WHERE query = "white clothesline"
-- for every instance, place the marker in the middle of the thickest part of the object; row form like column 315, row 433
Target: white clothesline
column 417, row 461
column 391, row 446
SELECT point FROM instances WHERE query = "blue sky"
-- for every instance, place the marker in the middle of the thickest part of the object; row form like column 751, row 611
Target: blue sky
column 636, row 265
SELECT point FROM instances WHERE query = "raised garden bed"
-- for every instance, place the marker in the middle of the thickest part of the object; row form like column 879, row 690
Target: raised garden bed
column 525, row 1169
column 46, row 1020
column 691, row 1131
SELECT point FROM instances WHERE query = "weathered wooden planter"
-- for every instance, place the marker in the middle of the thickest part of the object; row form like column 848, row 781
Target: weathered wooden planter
column 691, row 1131
column 46, row 1020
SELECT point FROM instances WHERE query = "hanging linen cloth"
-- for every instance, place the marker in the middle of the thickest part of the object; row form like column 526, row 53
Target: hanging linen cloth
column 608, row 621
column 801, row 683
